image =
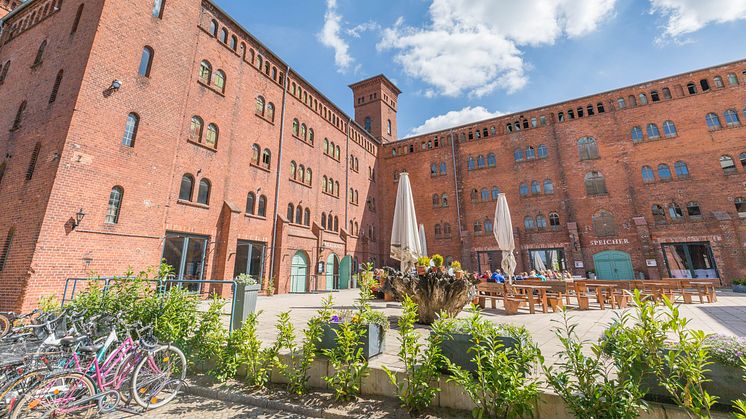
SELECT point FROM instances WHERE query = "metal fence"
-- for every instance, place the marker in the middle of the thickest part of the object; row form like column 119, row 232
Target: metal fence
column 161, row 285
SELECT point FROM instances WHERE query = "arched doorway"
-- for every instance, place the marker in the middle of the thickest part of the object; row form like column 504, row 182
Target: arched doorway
column 332, row 271
column 613, row 264
column 299, row 272
column 345, row 272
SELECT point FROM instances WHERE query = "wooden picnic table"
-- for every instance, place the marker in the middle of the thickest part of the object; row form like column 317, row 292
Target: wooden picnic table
column 528, row 290
column 660, row 288
column 602, row 296
column 706, row 289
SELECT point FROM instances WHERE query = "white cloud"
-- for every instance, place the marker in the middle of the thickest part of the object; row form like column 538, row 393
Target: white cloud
column 474, row 46
column 330, row 37
column 454, row 118
column 687, row 16
column 358, row 30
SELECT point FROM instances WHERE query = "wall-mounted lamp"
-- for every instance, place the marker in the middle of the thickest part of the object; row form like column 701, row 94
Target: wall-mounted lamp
column 78, row 218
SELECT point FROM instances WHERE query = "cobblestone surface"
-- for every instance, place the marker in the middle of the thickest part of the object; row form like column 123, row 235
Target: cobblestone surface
column 188, row 406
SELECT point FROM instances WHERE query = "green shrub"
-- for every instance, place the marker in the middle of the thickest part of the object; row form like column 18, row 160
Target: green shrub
column 416, row 391
column 210, row 338
column 739, row 282
column 349, row 366
column 456, row 265
column 245, row 349
column 423, row 261
column 437, row 260
column 740, row 405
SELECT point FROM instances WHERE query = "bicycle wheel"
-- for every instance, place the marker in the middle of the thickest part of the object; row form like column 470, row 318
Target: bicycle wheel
column 15, row 389
column 158, row 377
column 5, row 325
column 58, row 395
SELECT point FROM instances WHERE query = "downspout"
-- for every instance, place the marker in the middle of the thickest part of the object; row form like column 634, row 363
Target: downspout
column 455, row 180
column 347, row 172
column 277, row 182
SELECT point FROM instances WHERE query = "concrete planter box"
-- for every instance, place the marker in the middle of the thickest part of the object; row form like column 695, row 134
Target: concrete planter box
column 371, row 343
column 456, row 346
column 246, row 296
column 739, row 288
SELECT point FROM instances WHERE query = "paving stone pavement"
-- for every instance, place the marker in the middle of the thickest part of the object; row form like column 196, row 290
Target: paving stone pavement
column 189, row 406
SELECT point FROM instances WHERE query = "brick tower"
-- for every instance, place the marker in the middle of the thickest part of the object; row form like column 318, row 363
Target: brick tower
column 375, row 106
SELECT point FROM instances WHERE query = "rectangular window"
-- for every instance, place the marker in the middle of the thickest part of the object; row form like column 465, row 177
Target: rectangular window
column 543, row 259
column 186, row 254
column 690, row 260
column 250, row 259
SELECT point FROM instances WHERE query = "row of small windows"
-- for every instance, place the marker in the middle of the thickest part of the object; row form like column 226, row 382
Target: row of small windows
column 264, row 109
column 332, row 150
column 523, row 189
column 484, row 194
column 442, row 232
column 426, row 145
column 479, row 227
column 354, row 197
column 302, row 217
column 516, row 126
column 300, row 173
column 31, row 19
column 580, row 112
column 440, row 201
column 329, row 223
column 355, row 164
column 302, row 132
column 197, row 134
column 256, row 207
column 438, row 169
column 675, row 212
column 664, row 172
column 480, row 162
column 669, row 130
column 729, row 166
column 330, row 186
column 20, row 113
column 207, row 77
column 261, row 158
column 731, row 119
column 531, row 153
column 540, row 222
column 186, row 190
column 354, row 228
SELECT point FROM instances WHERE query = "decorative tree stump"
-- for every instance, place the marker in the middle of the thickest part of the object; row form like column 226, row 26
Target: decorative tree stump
column 434, row 292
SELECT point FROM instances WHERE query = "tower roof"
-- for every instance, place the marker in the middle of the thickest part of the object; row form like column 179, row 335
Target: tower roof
column 381, row 78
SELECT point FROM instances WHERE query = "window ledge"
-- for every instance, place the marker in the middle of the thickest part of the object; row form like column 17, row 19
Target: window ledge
column 257, row 217
column 328, row 194
column 265, row 169
column 330, row 156
column 300, row 183
column 198, row 144
column 210, row 88
column 192, row 204
column 264, row 118
column 354, row 203
column 308, row 143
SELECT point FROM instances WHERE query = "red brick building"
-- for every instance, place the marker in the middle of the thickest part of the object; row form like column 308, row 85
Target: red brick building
column 145, row 130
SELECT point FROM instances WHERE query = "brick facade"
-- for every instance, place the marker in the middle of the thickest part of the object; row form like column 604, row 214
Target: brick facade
column 68, row 154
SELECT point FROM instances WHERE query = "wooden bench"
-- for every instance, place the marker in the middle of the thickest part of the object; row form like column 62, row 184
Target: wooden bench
column 555, row 295
column 490, row 291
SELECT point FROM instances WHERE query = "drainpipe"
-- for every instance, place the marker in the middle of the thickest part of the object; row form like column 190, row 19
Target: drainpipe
column 347, row 172
column 455, row 179
column 277, row 182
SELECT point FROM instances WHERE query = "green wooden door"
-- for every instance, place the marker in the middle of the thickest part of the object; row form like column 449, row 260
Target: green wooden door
column 298, row 272
column 345, row 271
column 613, row 264
column 332, row 270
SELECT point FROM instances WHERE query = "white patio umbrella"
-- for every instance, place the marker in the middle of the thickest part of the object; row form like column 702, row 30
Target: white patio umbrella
column 503, row 230
column 405, row 239
column 539, row 262
column 423, row 241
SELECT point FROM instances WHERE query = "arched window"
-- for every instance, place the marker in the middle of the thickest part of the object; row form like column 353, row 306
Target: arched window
column 336, row 225
column 675, row 212
column 323, row 220
column 742, row 159
column 56, row 86
column 195, row 130
column 718, row 82
column 115, row 204
column 186, row 188
column 535, row 187
column 477, row 226
column 659, row 214
column 528, row 223
column 437, row 230
column 336, row 188
column 40, row 53
column 388, row 127
column 234, row 42
column 433, row 169
column 158, row 8
column 303, row 131
column 643, row 99
column 250, row 203
column 444, row 200
column 310, row 135
column 203, row 193
column 653, row 132
column 691, row 88
column 620, row 104
column 732, row 79
column 523, row 189
column 740, row 207
column 664, row 172
column 292, row 169
column 484, row 194
column 595, row 183
column 260, row 107
column 495, row 193
column 682, row 171
column 530, row 153
column 262, row 206
column 323, row 184
column 480, row 161
column 632, row 101
column 368, row 123
column 654, row 96
column 224, row 36
column 4, row 72
column 436, row 200
column 541, row 222
column 301, row 173
column 309, row 177
column 326, row 146
column 18, row 121
column 666, row 93
column 130, row 130
column 299, row 215
column 270, row 112
column 307, row 217
column 205, row 72
column 446, row 230
column 542, row 151
column 587, row 148
column 266, row 158
column 76, row 22
column 487, row 226
column 219, row 81
column 548, row 187
column 554, row 220
column 255, row 150
column 647, row 174
column 669, row 129
column 442, row 168
column 491, row 160
column 471, row 164
column 474, row 195
column 603, row 223
column 727, row 164
column 146, row 61
column 731, row 118
column 636, row 134
column 214, row 28
column 290, row 213
column 713, row 121
column 693, row 211
column 211, row 138
column 518, row 155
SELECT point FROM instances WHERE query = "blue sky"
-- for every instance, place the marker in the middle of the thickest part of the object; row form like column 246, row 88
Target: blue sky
column 462, row 60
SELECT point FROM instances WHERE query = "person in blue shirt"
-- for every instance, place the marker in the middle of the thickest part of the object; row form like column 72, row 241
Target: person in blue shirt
column 497, row 277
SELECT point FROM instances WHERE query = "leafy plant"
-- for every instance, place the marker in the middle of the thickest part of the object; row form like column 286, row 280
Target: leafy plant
column 586, row 383
column 727, row 350
column 245, row 349
column 456, row 265
column 211, row 336
column 437, row 260
column 270, row 286
column 301, row 358
column 500, row 385
column 245, row 279
column 423, row 261
column 740, row 405
column 49, row 304
column 739, row 282
column 347, row 360
column 415, row 391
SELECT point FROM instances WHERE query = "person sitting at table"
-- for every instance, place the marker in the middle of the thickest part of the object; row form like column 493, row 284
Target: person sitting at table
column 522, row 275
column 486, row 275
column 566, row 275
column 497, row 277
column 537, row 275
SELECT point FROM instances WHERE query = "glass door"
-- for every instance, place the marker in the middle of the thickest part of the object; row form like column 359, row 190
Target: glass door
column 250, row 259
column 186, row 254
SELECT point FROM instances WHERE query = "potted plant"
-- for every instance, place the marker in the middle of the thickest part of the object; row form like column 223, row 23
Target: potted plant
column 456, row 265
column 247, row 290
column 739, row 285
column 438, row 262
column 423, row 263
column 373, row 323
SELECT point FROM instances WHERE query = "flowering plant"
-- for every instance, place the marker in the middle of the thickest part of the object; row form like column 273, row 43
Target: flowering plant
column 727, row 350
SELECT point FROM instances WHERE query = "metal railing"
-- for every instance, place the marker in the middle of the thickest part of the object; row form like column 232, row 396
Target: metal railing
column 161, row 284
